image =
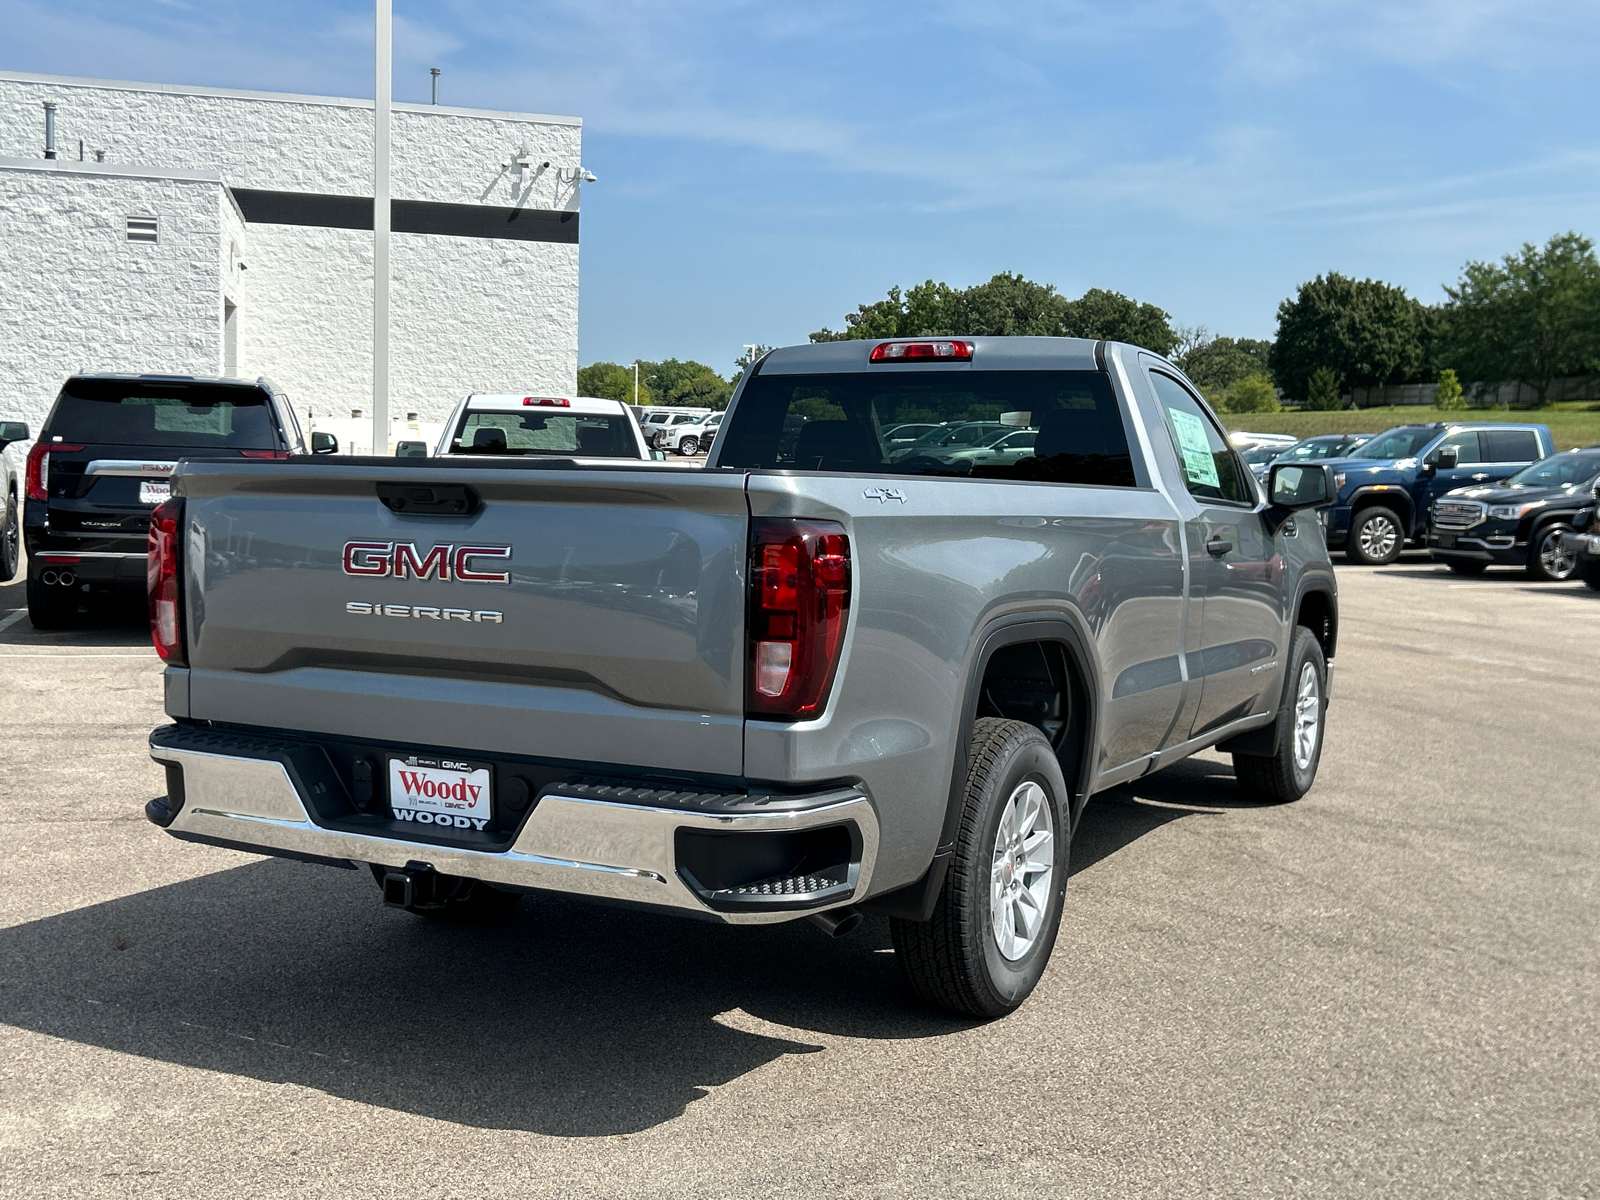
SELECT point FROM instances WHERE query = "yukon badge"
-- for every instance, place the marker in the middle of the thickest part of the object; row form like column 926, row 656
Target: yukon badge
column 402, row 560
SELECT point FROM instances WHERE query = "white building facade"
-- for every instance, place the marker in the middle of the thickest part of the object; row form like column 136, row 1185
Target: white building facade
column 212, row 232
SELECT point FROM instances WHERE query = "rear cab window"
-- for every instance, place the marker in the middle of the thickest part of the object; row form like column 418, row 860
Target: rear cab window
column 1509, row 445
column 168, row 414
column 837, row 423
column 498, row 430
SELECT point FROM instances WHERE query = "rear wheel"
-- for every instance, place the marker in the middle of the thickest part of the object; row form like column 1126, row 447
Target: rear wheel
column 1466, row 566
column 10, row 542
column 51, row 606
column 1289, row 773
column 1547, row 561
column 689, row 447
column 994, row 923
column 1376, row 537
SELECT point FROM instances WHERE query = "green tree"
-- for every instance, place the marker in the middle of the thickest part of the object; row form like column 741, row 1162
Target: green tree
column 1532, row 317
column 1447, row 396
column 1365, row 331
column 704, row 389
column 1322, row 390
column 1219, row 362
column 1111, row 315
column 1253, row 394
column 1007, row 305
column 611, row 381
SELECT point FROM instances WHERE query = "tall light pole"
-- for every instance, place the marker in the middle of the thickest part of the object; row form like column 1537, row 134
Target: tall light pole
column 380, row 232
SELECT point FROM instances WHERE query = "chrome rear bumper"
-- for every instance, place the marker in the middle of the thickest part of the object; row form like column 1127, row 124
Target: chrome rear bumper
column 575, row 844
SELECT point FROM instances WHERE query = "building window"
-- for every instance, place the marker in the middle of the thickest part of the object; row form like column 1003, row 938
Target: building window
column 143, row 229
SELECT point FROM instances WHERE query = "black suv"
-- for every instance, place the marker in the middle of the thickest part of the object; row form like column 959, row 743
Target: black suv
column 1518, row 522
column 101, row 464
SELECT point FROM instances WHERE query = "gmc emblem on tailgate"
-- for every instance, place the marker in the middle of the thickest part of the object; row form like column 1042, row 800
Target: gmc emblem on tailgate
column 403, row 560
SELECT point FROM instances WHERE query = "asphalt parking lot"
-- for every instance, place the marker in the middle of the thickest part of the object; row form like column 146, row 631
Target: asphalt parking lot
column 1391, row 987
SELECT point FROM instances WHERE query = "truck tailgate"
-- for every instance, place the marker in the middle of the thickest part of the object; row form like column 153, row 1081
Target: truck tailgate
column 618, row 636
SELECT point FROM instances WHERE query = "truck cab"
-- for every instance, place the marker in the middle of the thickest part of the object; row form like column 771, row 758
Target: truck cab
column 1386, row 492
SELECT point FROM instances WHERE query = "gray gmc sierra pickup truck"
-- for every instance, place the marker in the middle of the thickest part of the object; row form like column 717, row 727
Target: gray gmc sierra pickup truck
column 805, row 681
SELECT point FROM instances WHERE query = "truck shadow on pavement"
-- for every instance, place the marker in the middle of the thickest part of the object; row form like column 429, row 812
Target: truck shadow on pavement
column 567, row 1019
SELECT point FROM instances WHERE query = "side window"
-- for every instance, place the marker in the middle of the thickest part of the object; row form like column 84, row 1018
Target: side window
column 1466, row 442
column 1211, row 469
column 1509, row 445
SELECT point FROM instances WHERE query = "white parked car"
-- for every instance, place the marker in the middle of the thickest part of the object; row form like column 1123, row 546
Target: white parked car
column 683, row 433
column 580, row 427
column 659, row 418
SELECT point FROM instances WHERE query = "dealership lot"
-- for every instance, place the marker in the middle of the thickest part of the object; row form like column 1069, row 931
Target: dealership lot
column 1389, row 987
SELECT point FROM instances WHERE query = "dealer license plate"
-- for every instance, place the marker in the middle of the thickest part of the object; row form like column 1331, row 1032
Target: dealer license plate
column 440, row 791
column 154, row 491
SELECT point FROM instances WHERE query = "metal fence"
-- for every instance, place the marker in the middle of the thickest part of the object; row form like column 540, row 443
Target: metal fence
column 1512, row 395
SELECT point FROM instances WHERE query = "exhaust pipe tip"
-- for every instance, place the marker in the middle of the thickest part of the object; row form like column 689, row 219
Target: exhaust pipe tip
column 836, row 922
column 48, row 578
column 67, row 578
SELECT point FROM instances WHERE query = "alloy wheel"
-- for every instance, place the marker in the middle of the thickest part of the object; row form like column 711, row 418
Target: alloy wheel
column 1023, row 870
column 1558, row 564
column 1378, row 537
column 1307, row 717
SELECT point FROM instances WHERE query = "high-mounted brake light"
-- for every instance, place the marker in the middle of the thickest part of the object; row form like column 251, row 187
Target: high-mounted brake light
column 265, row 453
column 799, row 602
column 940, row 348
column 546, row 402
column 38, row 468
column 164, row 582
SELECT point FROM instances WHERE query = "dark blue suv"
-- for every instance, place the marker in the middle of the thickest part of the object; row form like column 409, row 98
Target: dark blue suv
column 1386, row 492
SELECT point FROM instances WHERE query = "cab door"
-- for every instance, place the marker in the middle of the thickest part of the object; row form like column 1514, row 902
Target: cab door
column 1236, row 572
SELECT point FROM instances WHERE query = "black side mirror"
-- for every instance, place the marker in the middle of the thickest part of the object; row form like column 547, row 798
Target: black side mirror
column 324, row 443
column 1300, row 485
column 411, row 449
column 12, row 431
column 1448, row 457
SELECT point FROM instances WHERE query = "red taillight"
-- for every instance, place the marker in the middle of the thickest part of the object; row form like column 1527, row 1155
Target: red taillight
column 546, row 402
column 264, row 453
column 799, row 601
column 939, row 348
column 164, row 581
column 38, row 470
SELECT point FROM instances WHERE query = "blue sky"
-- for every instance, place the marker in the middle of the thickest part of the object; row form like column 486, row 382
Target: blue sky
column 765, row 167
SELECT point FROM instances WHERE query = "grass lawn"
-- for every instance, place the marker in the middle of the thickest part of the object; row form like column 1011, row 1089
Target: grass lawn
column 1569, row 428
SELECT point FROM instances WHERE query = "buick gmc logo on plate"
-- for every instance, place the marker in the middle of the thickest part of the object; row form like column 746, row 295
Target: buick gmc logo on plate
column 438, row 791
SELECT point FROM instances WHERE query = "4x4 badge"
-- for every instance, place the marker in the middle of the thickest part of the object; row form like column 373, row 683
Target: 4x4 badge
column 884, row 495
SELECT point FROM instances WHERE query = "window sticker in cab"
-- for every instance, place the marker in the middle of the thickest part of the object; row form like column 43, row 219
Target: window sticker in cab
column 1198, row 465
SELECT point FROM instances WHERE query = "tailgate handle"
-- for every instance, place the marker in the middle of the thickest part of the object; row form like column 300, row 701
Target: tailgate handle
column 429, row 499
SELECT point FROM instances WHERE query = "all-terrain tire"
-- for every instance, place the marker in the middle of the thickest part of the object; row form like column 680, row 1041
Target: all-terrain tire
column 1289, row 773
column 1467, row 566
column 954, row 960
column 51, row 607
column 1547, row 562
column 1377, row 536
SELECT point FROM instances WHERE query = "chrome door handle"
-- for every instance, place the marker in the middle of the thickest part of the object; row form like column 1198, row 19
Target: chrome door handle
column 1218, row 544
column 1480, row 477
